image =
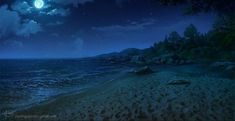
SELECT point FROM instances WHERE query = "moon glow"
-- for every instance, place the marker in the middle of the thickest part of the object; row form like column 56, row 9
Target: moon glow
column 38, row 3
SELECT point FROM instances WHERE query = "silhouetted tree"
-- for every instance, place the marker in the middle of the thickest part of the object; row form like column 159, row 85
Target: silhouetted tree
column 175, row 41
column 191, row 33
column 192, row 37
column 225, row 23
column 174, row 37
column 219, row 43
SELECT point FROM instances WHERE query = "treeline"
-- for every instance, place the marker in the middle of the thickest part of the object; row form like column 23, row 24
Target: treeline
column 217, row 44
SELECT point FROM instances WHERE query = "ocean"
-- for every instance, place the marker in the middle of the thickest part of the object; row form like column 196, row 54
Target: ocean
column 30, row 81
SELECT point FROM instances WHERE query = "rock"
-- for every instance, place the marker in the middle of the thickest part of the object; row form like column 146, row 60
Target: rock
column 222, row 64
column 143, row 71
column 138, row 59
column 227, row 66
column 179, row 82
column 169, row 59
column 230, row 68
column 156, row 60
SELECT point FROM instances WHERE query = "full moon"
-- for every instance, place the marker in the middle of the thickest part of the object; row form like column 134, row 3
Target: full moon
column 38, row 3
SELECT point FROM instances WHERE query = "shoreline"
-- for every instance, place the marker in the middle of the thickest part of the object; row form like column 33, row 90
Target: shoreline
column 11, row 109
column 129, row 97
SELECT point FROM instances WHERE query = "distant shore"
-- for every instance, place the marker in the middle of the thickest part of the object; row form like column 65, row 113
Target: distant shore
column 158, row 96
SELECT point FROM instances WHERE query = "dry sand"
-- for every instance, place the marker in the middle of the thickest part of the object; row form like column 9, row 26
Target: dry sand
column 143, row 98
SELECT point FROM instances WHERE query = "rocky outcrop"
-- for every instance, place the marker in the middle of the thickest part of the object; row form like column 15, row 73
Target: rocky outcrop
column 170, row 59
column 129, row 55
column 142, row 57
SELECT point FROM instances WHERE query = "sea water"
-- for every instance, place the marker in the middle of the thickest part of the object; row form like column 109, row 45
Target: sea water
column 29, row 81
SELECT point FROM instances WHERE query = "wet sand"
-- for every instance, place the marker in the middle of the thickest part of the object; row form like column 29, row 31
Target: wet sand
column 143, row 98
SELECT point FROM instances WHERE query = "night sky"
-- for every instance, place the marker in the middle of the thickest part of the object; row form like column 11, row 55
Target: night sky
column 81, row 28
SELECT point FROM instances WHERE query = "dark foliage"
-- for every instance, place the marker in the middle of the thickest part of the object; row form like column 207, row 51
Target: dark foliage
column 217, row 44
column 197, row 6
column 214, row 45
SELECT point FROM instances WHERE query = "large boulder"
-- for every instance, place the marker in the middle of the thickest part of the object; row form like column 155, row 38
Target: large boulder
column 143, row 71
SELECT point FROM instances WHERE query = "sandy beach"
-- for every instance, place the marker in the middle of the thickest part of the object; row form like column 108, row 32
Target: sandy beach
column 117, row 60
column 173, row 94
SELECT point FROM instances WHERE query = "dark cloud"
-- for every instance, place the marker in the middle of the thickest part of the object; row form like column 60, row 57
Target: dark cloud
column 10, row 24
column 9, row 21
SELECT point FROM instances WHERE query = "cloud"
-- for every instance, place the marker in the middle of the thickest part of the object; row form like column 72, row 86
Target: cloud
column 58, row 12
column 28, row 28
column 133, row 26
column 9, row 22
column 22, row 7
column 26, row 7
column 71, row 2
